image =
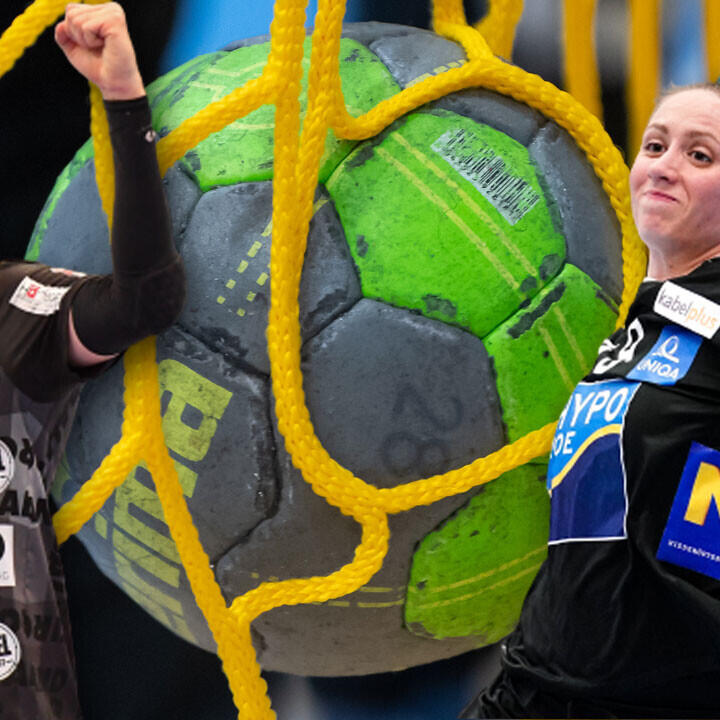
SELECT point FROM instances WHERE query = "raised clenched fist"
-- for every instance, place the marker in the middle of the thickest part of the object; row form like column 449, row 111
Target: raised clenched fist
column 96, row 41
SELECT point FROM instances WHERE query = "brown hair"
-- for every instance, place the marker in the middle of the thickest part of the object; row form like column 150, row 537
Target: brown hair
column 675, row 89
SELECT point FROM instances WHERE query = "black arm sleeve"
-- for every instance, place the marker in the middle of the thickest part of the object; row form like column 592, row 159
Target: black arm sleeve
column 146, row 291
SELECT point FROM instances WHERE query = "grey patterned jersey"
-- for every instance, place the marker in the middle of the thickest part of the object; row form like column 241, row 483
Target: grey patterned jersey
column 38, row 395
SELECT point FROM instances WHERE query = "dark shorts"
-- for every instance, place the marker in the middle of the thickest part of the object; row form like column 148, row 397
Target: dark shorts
column 507, row 699
column 510, row 697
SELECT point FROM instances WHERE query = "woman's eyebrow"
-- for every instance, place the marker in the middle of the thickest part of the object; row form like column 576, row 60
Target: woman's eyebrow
column 690, row 134
column 657, row 126
column 703, row 134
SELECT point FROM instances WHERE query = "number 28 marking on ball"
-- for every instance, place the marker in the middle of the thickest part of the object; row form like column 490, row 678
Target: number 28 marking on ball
column 420, row 453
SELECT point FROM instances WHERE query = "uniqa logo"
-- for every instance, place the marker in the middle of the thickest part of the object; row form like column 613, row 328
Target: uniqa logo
column 666, row 352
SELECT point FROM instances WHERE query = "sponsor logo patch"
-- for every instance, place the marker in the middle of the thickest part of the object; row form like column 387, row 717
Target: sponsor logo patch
column 669, row 358
column 692, row 534
column 33, row 297
column 9, row 652
column 26, row 506
column 7, row 556
column 7, row 466
column 688, row 309
column 586, row 477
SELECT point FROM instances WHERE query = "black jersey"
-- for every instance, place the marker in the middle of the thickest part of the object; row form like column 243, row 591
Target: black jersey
column 626, row 608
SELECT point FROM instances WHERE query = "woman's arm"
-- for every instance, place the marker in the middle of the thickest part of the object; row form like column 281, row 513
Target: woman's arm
column 145, row 293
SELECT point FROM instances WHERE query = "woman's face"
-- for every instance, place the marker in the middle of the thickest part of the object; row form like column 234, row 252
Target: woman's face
column 675, row 180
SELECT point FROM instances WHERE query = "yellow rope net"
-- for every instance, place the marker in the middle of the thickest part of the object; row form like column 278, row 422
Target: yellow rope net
column 582, row 80
column 297, row 157
column 644, row 67
column 712, row 38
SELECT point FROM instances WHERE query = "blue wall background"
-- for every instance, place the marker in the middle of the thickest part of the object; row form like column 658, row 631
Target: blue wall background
column 205, row 25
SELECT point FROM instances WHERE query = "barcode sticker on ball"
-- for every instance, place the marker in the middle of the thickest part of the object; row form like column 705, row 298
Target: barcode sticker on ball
column 509, row 194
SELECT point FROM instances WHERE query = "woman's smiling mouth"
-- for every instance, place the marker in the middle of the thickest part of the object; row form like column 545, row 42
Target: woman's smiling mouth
column 660, row 196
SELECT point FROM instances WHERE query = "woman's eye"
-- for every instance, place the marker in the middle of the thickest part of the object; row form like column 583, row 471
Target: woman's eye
column 700, row 156
column 653, row 146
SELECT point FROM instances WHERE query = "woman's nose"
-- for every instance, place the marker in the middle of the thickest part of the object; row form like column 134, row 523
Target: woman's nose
column 664, row 167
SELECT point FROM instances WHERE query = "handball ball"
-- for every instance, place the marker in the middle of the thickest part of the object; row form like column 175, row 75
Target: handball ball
column 462, row 267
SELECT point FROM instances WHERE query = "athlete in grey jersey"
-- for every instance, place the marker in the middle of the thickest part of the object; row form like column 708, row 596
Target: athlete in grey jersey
column 59, row 328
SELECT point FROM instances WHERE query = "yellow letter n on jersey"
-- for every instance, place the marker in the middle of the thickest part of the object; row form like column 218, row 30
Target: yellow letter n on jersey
column 692, row 534
column 705, row 489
